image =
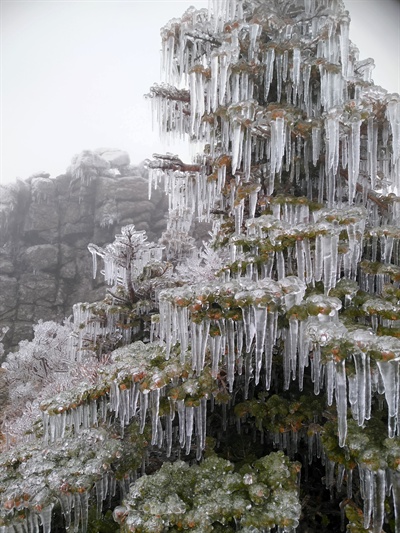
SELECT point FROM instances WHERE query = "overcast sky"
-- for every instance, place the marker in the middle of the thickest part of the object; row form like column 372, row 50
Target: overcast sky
column 73, row 75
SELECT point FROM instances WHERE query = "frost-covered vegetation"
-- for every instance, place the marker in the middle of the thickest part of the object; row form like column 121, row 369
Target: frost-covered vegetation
column 226, row 388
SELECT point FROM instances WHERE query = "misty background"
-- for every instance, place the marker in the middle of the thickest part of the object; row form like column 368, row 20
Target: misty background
column 73, row 75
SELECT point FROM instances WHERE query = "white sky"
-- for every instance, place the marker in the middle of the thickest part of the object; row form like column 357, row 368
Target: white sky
column 74, row 72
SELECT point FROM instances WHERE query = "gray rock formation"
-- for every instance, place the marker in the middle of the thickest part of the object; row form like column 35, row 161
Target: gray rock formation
column 46, row 225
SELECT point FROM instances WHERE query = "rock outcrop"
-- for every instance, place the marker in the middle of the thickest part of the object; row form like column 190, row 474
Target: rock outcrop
column 46, row 225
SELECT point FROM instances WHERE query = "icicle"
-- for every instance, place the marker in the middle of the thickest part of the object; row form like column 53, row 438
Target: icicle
column 270, row 338
column 231, row 356
column 215, row 343
column 155, row 408
column 316, row 144
column 349, row 474
column 99, row 496
column 280, row 265
column 359, row 361
column 94, row 258
column 344, row 43
column 395, row 478
column 393, row 115
column 84, row 511
column 204, row 332
column 249, row 327
column 239, row 211
column 293, row 341
column 236, row 144
column 189, row 413
column 354, row 155
column 260, row 316
column 269, row 71
column 33, row 524
column 353, row 396
column 389, row 371
column 45, row 517
column 255, row 30
column 144, row 402
column 330, row 255
column 168, row 434
column 248, row 372
column 278, row 68
column 182, row 422
column 223, row 76
column 341, row 401
column 77, row 510
column 278, row 139
column 202, row 422
column 372, row 151
column 303, row 348
column 300, row 259
column 296, row 69
column 253, row 201
column 316, row 369
column 368, row 486
column 214, row 80
column 66, row 499
column 77, row 418
column 332, row 136
column 379, row 478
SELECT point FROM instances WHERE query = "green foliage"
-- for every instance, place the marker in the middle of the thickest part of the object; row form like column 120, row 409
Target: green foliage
column 212, row 495
column 36, row 476
column 367, row 445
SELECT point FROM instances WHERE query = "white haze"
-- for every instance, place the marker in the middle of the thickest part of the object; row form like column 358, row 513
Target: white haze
column 74, row 74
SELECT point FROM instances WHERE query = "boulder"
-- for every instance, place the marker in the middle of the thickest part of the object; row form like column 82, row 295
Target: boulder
column 41, row 217
column 68, row 271
column 26, row 313
column 87, row 165
column 8, row 291
column 41, row 257
column 6, row 266
column 40, row 174
column 116, row 158
column 43, row 190
column 105, row 190
column 131, row 188
column 35, row 288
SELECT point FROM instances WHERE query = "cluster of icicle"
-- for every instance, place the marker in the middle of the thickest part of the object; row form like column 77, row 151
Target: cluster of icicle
column 128, row 403
column 315, row 251
column 36, row 489
column 375, row 487
column 205, row 55
column 90, row 327
column 187, row 196
column 74, row 507
column 257, row 332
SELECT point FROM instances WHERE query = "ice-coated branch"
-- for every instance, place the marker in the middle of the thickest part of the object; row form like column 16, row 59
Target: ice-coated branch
column 172, row 162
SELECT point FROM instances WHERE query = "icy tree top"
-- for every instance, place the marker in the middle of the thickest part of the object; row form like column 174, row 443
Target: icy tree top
column 248, row 77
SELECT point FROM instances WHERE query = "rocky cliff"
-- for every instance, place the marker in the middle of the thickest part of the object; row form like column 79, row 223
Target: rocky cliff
column 46, row 225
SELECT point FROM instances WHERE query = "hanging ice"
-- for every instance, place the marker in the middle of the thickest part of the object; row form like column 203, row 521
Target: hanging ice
column 278, row 137
column 341, row 401
column 354, row 155
column 332, row 136
column 390, row 374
